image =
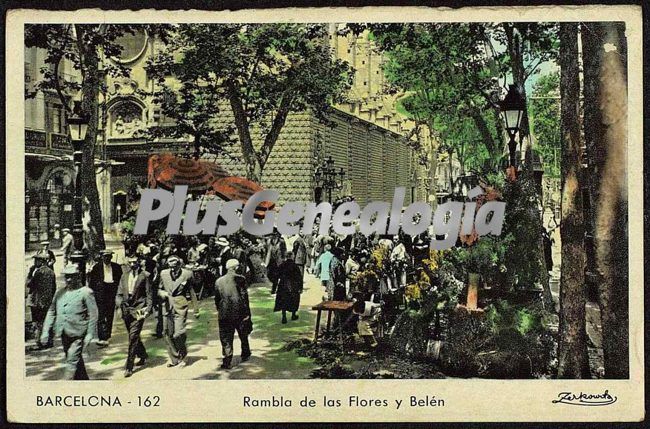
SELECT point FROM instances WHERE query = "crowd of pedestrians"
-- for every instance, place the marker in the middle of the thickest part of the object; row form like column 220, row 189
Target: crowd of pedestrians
column 165, row 276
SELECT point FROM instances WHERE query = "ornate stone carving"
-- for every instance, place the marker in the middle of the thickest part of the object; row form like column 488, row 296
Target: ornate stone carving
column 126, row 120
column 123, row 86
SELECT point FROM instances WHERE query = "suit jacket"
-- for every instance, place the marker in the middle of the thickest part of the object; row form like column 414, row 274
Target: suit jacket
column 300, row 251
column 177, row 289
column 73, row 311
column 231, row 298
column 140, row 299
column 276, row 253
column 41, row 285
column 104, row 295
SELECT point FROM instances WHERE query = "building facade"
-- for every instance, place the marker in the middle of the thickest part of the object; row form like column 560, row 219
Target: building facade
column 368, row 141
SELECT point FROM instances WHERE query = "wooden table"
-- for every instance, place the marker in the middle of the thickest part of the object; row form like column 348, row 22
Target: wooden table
column 330, row 306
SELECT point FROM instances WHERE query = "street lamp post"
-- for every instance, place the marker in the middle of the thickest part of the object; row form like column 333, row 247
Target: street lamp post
column 326, row 177
column 77, row 128
column 512, row 108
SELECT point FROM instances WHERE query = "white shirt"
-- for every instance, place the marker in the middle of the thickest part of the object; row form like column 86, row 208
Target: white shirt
column 133, row 275
column 108, row 273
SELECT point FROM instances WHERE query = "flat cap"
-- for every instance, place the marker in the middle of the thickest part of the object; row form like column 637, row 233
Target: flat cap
column 173, row 260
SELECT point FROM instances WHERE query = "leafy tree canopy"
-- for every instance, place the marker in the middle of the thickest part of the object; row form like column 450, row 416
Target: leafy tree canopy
column 448, row 75
column 545, row 119
column 262, row 71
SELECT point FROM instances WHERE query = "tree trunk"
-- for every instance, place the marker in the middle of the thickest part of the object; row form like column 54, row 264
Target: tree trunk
column 610, row 200
column 253, row 170
column 433, row 166
column 572, row 348
column 256, row 160
column 90, row 108
column 592, row 125
column 494, row 148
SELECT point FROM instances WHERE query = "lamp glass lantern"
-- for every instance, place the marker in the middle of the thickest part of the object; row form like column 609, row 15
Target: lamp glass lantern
column 512, row 108
column 77, row 129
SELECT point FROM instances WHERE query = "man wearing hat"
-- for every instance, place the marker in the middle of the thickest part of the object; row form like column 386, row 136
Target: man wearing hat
column 224, row 254
column 277, row 250
column 175, row 283
column 51, row 258
column 231, row 299
column 73, row 316
column 41, row 284
column 135, row 301
column 300, row 253
column 66, row 245
column 104, row 280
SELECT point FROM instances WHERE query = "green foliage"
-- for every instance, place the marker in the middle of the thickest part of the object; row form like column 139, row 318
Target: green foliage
column 522, row 228
column 72, row 43
column 128, row 225
column 502, row 317
column 263, row 71
column 450, row 83
column 545, row 121
column 505, row 341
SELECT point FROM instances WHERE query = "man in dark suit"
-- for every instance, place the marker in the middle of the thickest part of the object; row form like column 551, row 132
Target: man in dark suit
column 231, row 299
column 175, row 283
column 41, row 284
column 73, row 317
column 290, row 287
column 104, row 279
column 277, row 249
column 135, row 301
column 300, row 254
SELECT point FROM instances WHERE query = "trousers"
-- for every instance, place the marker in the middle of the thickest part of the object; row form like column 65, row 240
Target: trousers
column 106, row 312
column 176, row 338
column 38, row 317
column 227, row 336
column 136, row 348
column 75, row 369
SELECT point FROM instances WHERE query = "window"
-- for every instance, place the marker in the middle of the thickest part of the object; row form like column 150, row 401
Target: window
column 133, row 46
column 54, row 118
column 159, row 116
column 28, row 72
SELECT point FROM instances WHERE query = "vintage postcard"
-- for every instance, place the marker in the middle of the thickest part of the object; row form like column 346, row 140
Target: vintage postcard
column 370, row 214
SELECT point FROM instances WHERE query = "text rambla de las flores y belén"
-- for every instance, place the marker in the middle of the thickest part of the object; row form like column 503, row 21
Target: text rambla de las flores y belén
column 352, row 401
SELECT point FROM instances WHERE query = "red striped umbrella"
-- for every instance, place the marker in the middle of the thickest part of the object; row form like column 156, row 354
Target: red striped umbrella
column 202, row 177
column 235, row 188
column 167, row 171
